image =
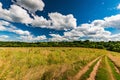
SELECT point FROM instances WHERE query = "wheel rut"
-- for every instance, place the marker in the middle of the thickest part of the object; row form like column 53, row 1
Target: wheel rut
column 84, row 70
column 109, row 70
column 94, row 72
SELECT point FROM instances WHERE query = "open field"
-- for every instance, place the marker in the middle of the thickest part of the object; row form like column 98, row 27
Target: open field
column 57, row 63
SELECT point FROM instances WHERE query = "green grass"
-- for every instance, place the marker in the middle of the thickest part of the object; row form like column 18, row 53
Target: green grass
column 102, row 73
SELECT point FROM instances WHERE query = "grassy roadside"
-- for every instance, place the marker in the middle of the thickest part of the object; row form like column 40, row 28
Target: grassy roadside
column 112, row 65
column 72, row 69
column 115, row 58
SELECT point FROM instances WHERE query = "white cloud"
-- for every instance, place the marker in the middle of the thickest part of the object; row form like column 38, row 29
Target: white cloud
column 87, row 31
column 15, row 14
column 4, row 37
column 32, row 38
column 22, row 35
column 20, row 32
column 115, row 37
column 118, row 7
column 112, row 21
column 57, row 38
column 6, row 26
column 41, row 22
column 95, row 31
column 2, row 28
column 62, row 22
column 30, row 5
column 57, row 21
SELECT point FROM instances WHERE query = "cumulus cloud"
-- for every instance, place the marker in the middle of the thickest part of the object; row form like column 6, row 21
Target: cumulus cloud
column 15, row 14
column 18, row 12
column 32, row 38
column 118, row 7
column 112, row 21
column 4, row 37
column 95, row 31
column 24, row 35
column 115, row 37
column 41, row 22
column 57, row 38
column 57, row 21
column 3, row 24
column 30, row 5
column 60, row 21
column 20, row 32
column 6, row 26
column 87, row 31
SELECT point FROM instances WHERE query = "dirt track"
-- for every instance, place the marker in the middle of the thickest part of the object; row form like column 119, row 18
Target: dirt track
column 84, row 70
column 93, row 73
column 109, row 70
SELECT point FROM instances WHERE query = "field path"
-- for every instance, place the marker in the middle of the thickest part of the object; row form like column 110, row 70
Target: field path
column 117, row 70
column 93, row 73
column 84, row 70
column 109, row 70
column 114, row 60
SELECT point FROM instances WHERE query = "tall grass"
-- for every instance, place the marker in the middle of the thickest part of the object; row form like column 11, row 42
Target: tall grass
column 44, row 63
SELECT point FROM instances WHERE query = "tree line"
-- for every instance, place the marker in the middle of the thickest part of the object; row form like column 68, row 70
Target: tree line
column 111, row 45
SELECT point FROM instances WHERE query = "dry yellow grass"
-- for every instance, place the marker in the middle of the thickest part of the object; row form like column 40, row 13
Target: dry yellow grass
column 115, row 57
column 46, row 63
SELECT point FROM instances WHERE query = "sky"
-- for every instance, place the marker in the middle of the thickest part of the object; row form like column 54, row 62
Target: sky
column 59, row 20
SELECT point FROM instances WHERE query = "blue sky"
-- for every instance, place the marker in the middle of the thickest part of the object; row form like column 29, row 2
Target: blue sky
column 59, row 20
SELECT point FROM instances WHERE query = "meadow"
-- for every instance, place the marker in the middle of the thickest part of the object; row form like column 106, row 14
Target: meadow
column 58, row 63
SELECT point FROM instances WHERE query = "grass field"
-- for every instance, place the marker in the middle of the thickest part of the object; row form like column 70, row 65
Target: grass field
column 57, row 63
